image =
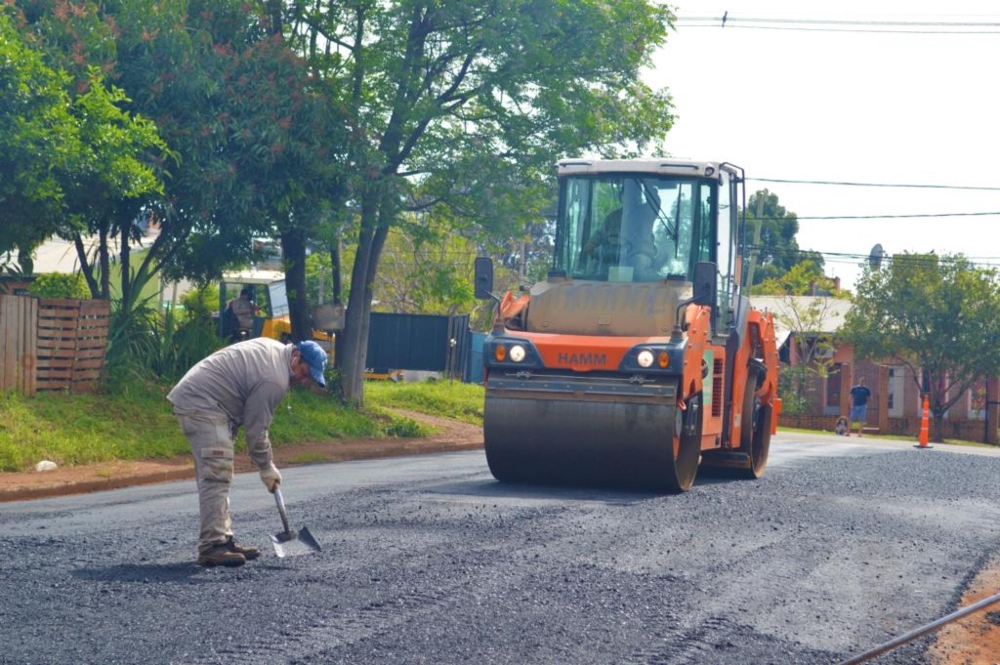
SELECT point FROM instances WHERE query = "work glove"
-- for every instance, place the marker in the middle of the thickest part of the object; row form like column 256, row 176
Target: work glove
column 271, row 477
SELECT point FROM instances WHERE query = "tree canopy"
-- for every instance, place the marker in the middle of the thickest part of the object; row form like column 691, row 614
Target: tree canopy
column 315, row 121
column 802, row 279
column 772, row 230
column 465, row 106
column 937, row 315
column 69, row 150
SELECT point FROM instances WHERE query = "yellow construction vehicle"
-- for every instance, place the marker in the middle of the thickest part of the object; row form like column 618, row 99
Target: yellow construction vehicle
column 267, row 306
column 638, row 359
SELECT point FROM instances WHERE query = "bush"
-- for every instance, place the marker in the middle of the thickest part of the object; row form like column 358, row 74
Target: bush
column 201, row 303
column 59, row 285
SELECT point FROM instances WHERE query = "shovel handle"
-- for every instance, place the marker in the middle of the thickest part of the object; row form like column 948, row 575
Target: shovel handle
column 281, row 509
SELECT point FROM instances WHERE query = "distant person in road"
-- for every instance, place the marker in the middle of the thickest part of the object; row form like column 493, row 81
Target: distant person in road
column 860, row 394
column 241, row 384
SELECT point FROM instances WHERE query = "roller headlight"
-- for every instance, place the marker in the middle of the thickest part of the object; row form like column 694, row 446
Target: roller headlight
column 654, row 358
column 511, row 352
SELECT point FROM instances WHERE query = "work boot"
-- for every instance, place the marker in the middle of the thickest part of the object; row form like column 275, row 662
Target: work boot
column 249, row 553
column 220, row 555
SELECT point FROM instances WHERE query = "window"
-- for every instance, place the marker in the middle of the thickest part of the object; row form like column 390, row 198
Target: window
column 977, row 401
column 833, row 386
column 896, row 387
column 630, row 227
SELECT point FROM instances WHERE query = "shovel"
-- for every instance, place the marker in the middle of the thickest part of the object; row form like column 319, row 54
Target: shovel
column 288, row 542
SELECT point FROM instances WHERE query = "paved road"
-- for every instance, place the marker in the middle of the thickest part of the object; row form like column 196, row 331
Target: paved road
column 843, row 545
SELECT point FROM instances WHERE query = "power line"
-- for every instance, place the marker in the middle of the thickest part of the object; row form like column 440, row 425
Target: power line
column 844, row 258
column 874, row 184
column 824, row 21
column 912, row 216
column 842, row 25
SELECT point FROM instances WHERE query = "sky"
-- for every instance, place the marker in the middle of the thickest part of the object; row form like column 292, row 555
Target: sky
column 845, row 93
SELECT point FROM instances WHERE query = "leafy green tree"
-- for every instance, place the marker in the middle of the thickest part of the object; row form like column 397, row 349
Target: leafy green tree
column 465, row 106
column 802, row 279
column 935, row 314
column 109, row 194
column 811, row 345
column 40, row 142
column 254, row 136
column 429, row 273
column 115, row 172
column 257, row 136
column 771, row 238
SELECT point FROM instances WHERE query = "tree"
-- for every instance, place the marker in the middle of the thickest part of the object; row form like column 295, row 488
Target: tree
column 253, row 135
column 252, row 124
column 116, row 167
column 802, row 279
column 428, row 274
column 771, row 230
column 62, row 146
column 811, row 344
column 465, row 106
column 806, row 300
column 937, row 315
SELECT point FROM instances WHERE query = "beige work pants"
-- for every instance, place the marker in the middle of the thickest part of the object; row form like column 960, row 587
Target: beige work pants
column 211, row 439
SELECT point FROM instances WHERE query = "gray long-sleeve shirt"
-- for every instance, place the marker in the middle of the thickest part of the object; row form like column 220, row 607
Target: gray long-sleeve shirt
column 244, row 382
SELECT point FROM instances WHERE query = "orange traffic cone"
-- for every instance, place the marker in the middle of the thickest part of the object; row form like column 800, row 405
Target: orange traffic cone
column 924, row 427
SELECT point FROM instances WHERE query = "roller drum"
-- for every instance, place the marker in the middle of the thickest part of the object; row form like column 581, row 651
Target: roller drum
column 544, row 438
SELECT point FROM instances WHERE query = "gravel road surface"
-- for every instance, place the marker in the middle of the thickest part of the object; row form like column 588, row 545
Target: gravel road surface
column 842, row 546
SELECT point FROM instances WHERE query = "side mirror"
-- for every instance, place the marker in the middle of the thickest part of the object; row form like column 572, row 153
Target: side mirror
column 705, row 291
column 705, row 288
column 483, row 284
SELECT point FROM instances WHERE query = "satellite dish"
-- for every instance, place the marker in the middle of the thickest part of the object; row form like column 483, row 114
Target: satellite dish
column 875, row 258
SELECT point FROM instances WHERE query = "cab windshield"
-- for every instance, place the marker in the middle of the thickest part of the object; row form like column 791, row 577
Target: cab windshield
column 633, row 227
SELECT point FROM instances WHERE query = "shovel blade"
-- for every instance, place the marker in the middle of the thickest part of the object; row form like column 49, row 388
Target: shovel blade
column 294, row 543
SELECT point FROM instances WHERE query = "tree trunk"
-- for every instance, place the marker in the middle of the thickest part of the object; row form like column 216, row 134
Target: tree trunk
column 356, row 320
column 126, row 271
column 293, row 249
column 371, row 240
column 337, row 298
column 937, row 411
column 105, row 263
column 938, row 435
column 85, row 267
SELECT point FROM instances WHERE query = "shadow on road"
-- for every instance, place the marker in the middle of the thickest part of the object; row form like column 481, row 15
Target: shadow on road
column 186, row 572
column 497, row 489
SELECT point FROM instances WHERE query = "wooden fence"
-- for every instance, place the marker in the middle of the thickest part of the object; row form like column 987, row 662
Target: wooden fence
column 48, row 344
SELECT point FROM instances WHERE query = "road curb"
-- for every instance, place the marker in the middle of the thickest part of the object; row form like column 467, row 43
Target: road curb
column 403, row 448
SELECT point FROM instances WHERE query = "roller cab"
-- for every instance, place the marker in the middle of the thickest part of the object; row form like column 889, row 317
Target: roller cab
column 637, row 359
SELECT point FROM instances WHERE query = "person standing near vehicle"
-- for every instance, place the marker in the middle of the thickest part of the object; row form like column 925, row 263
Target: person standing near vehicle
column 860, row 394
column 241, row 384
column 244, row 310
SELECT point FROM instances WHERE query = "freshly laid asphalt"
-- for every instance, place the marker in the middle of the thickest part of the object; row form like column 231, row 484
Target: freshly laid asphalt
column 843, row 545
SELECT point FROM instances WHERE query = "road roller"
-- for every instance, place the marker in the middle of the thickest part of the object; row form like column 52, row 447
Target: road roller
column 638, row 359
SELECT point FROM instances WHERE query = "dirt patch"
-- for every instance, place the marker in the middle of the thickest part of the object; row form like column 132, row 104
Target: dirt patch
column 449, row 435
column 975, row 639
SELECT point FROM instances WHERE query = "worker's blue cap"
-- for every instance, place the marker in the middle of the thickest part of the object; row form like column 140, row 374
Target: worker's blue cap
column 314, row 356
